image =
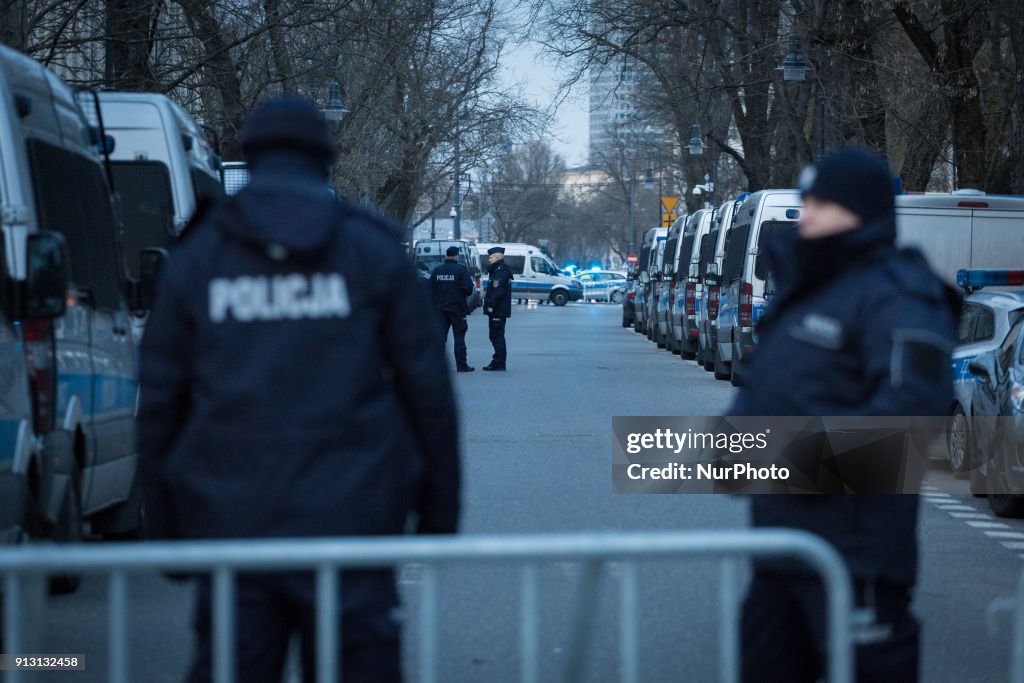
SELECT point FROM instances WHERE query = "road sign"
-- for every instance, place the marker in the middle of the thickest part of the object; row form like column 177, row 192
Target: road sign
column 632, row 259
column 669, row 205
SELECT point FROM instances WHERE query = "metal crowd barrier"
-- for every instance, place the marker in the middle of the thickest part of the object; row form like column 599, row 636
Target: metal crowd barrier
column 597, row 292
column 22, row 566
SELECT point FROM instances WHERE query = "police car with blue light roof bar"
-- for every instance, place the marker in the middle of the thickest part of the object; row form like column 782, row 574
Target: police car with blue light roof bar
column 985, row 319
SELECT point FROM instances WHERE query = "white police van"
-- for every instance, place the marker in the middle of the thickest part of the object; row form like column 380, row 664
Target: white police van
column 535, row 276
column 68, row 351
column 650, row 251
column 428, row 254
column 745, row 271
column 688, row 290
column 665, row 287
column 709, row 269
column 962, row 229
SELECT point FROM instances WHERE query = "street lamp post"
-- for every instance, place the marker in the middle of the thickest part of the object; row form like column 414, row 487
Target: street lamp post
column 795, row 67
column 696, row 148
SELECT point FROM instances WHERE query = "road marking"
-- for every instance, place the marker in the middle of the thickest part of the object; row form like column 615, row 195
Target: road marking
column 1016, row 535
column 970, row 515
column 988, row 525
column 933, row 496
column 960, row 508
column 1013, row 545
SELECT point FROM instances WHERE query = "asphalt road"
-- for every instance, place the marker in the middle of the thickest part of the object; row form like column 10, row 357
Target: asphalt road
column 537, row 458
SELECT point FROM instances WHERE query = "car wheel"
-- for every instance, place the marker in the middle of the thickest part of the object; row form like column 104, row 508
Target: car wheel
column 958, row 444
column 721, row 370
column 659, row 339
column 559, row 298
column 1004, row 505
column 709, row 359
column 625, row 323
column 734, row 376
column 617, row 297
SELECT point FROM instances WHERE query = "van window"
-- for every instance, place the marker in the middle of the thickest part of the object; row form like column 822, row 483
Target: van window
column 147, row 207
column 735, row 250
column 670, row 246
column 707, row 250
column 516, row 263
column 72, row 198
column 542, row 266
column 683, row 264
column 768, row 228
column 645, row 258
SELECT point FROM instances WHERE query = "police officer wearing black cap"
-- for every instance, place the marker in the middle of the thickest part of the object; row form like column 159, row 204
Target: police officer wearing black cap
column 291, row 385
column 497, row 305
column 857, row 327
column 450, row 284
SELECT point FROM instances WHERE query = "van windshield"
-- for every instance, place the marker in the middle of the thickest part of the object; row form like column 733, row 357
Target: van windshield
column 147, row 207
column 768, row 228
column 431, row 261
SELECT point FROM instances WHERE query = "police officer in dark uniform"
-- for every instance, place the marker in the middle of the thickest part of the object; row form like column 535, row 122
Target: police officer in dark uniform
column 292, row 385
column 498, row 305
column 857, row 327
column 450, row 284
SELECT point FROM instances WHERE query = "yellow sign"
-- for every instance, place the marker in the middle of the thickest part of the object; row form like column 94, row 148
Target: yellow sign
column 668, row 211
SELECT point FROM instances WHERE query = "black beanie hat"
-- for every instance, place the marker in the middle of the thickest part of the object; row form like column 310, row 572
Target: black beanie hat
column 853, row 177
column 287, row 123
column 451, row 251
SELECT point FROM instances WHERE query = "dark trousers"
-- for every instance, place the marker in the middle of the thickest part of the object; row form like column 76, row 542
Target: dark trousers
column 496, row 332
column 270, row 608
column 457, row 323
column 784, row 635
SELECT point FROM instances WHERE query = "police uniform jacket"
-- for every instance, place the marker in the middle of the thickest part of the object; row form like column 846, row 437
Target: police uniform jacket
column 498, row 297
column 857, row 327
column 290, row 380
column 450, row 284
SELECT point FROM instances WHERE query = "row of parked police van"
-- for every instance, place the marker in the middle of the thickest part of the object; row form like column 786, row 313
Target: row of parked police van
column 93, row 188
column 701, row 285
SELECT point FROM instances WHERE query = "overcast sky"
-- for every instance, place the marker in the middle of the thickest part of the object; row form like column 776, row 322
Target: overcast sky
column 540, row 78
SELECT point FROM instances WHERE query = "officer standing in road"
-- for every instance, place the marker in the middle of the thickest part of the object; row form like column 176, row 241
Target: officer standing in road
column 857, row 327
column 291, row 385
column 450, row 284
column 498, row 305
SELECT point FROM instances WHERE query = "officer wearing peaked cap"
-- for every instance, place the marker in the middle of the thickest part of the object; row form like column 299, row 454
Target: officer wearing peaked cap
column 498, row 305
column 858, row 327
column 450, row 284
column 291, row 385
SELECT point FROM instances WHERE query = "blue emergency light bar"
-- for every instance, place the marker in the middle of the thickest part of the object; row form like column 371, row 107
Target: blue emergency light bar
column 976, row 279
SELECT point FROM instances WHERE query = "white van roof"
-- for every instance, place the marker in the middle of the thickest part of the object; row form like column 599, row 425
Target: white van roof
column 961, row 199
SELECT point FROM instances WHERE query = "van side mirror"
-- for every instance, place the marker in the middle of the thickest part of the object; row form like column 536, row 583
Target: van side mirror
column 694, row 273
column 141, row 291
column 983, row 367
column 645, row 277
column 45, row 292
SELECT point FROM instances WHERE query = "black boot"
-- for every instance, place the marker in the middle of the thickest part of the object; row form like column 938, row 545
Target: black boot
column 494, row 367
column 464, row 367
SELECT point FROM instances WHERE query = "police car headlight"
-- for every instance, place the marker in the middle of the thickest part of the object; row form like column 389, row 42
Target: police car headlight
column 1017, row 396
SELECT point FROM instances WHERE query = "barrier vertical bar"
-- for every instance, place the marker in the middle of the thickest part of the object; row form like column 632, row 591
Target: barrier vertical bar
column 117, row 648
column 428, row 624
column 1017, row 663
column 630, row 624
column 223, row 625
column 840, row 614
column 583, row 618
column 14, row 643
column 327, row 645
column 529, row 614
column 728, row 621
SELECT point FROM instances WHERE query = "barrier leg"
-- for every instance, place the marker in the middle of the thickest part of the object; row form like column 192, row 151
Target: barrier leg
column 327, row 644
column 529, row 647
column 223, row 625
column 582, row 620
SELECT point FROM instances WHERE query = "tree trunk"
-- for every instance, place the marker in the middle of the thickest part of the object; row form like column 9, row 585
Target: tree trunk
column 130, row 38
